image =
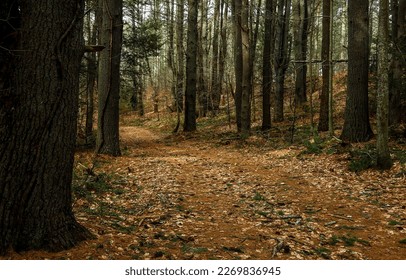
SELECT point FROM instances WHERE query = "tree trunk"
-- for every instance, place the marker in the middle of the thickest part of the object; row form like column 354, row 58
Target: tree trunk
column 223, row 49
column 246, row 72
column 300, row 47
column 282, row 56
column 398, row 66
column 108, row 141
column 236, row 13
column 202, row 88
column 180, row 12
column 267, row 67
column 215, row 82
column 356, row 124
column 191, row 53
column 91, row 81
column 384, row 160
column 325, row 51
column 170, row 6
column 38, row 125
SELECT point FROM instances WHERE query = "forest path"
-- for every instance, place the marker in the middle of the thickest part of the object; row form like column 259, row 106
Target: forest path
column 192, row 196
column 220, row 200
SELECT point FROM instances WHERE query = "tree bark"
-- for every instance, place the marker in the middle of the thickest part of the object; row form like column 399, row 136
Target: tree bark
column 180, row 77
column 246, row 72
column 266, row 66
column 325, row 50
column 384, row 160
column 91, row 82
column 398, row 65
column 215, row 79
column 191, row 73
column 108, row 140
column 356, row 124
column 38, row 126
column 238, row 65
column 202, row 93
column 300, row 47
column 282, row 56
column 223, row 48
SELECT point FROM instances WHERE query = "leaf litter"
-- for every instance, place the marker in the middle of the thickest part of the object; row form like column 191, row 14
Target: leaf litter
column 196, row 197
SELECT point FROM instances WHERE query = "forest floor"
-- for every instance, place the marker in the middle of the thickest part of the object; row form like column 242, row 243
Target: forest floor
column 209, row 195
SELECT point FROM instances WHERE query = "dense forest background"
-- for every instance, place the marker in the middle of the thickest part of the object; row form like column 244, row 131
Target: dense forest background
column 319, row 77
column 256, row 60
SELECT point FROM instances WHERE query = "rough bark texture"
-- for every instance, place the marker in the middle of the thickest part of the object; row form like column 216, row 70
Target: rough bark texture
column 108, row 140
column 191, row 73
column 38, row 127
column 397, row 93
column 384, row 160
column 356, row 125
column 267, row 67
column 325, row 49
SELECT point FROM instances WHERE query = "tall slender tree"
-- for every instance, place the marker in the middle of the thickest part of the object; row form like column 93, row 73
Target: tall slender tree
column 91, row 80
column 215, row 77
column 180, row 52
column 108, row 141
column 266, row 66
column 39, row 91
column 246, row 70
column 356, row 124
column 191, row 73
column 238, row 65
column 325, row 51
column 301, row 30
column 384, row 160
column 281, row 55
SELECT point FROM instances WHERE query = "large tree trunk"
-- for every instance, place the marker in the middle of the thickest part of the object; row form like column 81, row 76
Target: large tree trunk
column 325, row 50
column 38, row 126
column 191, row 73
column 108, row 140
column 267, row 67
column 356, row 125
column 398, row 67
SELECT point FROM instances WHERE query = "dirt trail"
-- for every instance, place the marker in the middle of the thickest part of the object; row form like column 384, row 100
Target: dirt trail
column 184, row 198
column 236, row 203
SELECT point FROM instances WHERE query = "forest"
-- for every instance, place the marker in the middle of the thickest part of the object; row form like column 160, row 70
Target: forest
column 205, row 130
